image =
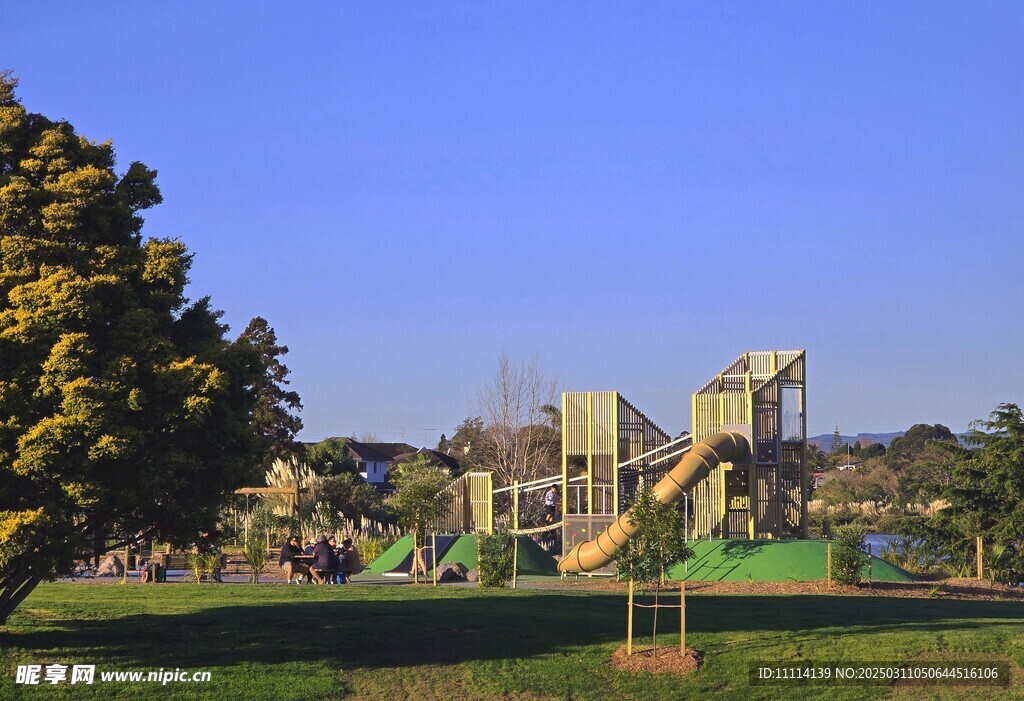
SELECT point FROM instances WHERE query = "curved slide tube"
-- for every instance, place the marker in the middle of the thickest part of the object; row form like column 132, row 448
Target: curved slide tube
column 703, row 457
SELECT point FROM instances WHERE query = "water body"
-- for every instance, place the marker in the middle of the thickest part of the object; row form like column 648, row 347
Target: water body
column 877, row 541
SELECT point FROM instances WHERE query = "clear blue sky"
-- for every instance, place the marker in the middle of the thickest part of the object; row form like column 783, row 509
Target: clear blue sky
column 637, row 192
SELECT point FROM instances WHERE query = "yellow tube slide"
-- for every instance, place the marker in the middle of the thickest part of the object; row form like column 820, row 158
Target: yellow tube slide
column 726, row 446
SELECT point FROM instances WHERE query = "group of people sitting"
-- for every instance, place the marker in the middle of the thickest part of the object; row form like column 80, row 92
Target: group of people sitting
column 322, row 561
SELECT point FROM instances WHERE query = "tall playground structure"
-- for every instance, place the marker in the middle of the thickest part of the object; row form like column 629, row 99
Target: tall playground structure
column 739, row 476
column 740, row 472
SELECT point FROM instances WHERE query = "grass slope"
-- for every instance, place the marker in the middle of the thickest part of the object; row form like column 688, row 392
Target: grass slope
column 770, row 561
column 401, row 641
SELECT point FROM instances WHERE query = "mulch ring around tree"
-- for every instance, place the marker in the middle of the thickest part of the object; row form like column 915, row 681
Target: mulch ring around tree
column 668, row 660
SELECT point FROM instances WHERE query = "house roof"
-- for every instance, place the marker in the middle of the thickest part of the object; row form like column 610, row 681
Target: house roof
column 365, row 452
column 390, row 450
column 377, row 452
column 435, row 456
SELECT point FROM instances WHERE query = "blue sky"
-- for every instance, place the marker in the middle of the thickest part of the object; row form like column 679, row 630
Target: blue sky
column 637, row 193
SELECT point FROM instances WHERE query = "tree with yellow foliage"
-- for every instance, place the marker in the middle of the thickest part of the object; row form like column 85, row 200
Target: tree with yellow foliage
column 124, row 411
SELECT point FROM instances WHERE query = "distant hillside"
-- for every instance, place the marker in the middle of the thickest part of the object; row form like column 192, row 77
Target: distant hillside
column 824, row 441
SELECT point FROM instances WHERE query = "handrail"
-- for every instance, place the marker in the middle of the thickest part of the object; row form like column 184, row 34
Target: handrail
column 522, row 485
column 686, row 437
column 526, row 486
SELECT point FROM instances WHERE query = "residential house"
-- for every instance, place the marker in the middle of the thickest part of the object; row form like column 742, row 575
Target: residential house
column 373, row 460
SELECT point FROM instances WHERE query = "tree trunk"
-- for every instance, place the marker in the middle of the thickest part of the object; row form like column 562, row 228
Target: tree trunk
column 13, row 591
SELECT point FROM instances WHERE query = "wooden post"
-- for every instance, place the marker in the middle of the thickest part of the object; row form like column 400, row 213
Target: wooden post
column 515, row 559
column 629, row 622
column 415, row 560
column 515, row 506
column 828, row 567
column 870, row 558
column 682, row 617
column 433, row 555
column 979, row 547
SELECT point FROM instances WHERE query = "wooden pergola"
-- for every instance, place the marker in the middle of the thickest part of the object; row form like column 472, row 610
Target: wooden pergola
column 293, row 492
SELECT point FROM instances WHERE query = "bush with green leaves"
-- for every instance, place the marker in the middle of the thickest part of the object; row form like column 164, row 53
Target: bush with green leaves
column 495, row 559
column 658, row 544
column 419, row 500
column 202, row 566
column 911, row 554
column 254, row 552
column 848, row 556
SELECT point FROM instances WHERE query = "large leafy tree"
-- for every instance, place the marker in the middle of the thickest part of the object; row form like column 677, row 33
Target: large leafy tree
column 906, row 448
column 331, row 457
column 124, row 411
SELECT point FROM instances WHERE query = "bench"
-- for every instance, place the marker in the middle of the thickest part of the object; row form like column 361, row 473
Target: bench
column 234, row 565
column 229, row 564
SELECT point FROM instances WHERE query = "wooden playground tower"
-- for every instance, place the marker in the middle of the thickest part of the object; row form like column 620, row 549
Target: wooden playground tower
column 610, row 450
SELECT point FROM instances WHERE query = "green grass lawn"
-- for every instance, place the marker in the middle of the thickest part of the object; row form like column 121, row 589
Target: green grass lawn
column 397, row 642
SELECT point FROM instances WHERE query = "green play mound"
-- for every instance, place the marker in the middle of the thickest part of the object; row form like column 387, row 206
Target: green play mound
column 392, row 557
column 532, row 558
column 770, row 561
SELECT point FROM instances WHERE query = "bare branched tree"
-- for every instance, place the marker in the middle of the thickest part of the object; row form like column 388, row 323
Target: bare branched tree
column 521, row 437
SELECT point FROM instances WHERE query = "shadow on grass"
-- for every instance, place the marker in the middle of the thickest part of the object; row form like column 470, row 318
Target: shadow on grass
column 399, row 633
column 732, row 554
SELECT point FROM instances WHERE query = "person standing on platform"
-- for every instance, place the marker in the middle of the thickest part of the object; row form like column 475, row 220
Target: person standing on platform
column 550, row 499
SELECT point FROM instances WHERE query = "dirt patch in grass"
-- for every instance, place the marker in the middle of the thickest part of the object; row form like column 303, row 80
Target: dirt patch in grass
column 668, row 660
column 941, row 589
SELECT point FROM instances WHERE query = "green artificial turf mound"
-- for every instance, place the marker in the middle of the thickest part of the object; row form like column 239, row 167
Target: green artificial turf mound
column 532, row 558
column 770, row 561
column 392, row 557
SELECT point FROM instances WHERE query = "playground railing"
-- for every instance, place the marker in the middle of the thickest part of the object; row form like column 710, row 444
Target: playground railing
column 469, row 505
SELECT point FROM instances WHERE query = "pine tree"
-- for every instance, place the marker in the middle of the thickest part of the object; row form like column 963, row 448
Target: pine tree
column 273, row 417
column 837, row 443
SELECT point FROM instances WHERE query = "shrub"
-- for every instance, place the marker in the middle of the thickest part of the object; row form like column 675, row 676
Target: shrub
column 495, row 559
column 912, row 554
column 255, row 554
column 848, row 558
column 202, row 565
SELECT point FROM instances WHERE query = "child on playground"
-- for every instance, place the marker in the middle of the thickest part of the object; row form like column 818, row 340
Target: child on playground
column 550, row 498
